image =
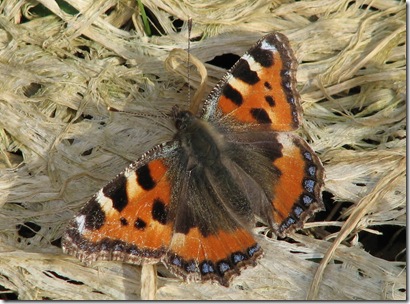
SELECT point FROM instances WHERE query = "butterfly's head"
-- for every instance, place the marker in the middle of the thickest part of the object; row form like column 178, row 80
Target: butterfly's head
column 182, row 118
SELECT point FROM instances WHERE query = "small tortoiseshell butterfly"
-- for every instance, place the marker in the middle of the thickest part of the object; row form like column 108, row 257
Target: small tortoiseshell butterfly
column 191, row 202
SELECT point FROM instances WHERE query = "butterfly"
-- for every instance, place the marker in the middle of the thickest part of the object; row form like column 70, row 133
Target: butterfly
column 191, row 202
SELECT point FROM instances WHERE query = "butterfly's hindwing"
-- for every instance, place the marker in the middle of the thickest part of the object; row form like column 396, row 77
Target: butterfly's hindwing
column 211, row 213
column 286, row 172
column 298, row 191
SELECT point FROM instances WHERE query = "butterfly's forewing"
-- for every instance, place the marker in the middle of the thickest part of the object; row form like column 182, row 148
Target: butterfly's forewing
column 127, row 219
column 260, row 88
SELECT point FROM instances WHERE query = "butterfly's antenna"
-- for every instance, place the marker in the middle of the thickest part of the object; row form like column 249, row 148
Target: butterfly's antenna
column 189, row 60
column 137, row 114
column 146, row 115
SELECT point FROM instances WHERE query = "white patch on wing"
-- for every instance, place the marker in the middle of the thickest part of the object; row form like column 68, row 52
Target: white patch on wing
column 287, row 142
column 80, row 220
column 266, row 46
column 132, row 186
column 241, row 86
column 253, row 65
column 105, row 203
column 178, row 240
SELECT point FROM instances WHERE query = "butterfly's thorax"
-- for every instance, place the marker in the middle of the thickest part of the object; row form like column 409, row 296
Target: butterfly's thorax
column 201, row 141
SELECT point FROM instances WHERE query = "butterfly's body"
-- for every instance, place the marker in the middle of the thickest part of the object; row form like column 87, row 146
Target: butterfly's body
column 191, row 202
column 201, row 142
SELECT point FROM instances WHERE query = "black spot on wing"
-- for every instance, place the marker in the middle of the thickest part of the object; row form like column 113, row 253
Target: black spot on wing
column 140, row 224
column 234, row 95
column 123, row 221
column 159, row 211
column 94, row 215
column 243, row 72
column 268, row 85
column 260, row 115
column 144, row 178
column 269, row 99
column 263, row 57
column 116, row 191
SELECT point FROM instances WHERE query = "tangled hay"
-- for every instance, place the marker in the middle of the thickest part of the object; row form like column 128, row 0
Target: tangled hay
column 63, row 63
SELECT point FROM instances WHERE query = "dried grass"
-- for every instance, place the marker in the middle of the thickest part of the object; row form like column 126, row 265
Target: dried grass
column 60, row 70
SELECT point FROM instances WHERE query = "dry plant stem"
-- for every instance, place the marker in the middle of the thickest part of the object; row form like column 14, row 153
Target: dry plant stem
column 148, row 281
column 362, row 208
column 173, row 64
column 59, row 144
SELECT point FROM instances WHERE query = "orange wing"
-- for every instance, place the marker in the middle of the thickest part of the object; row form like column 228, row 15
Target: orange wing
column 260, row 88
column 298, row 189
column 127, row 219
column 216, row 257
column 281, row 175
